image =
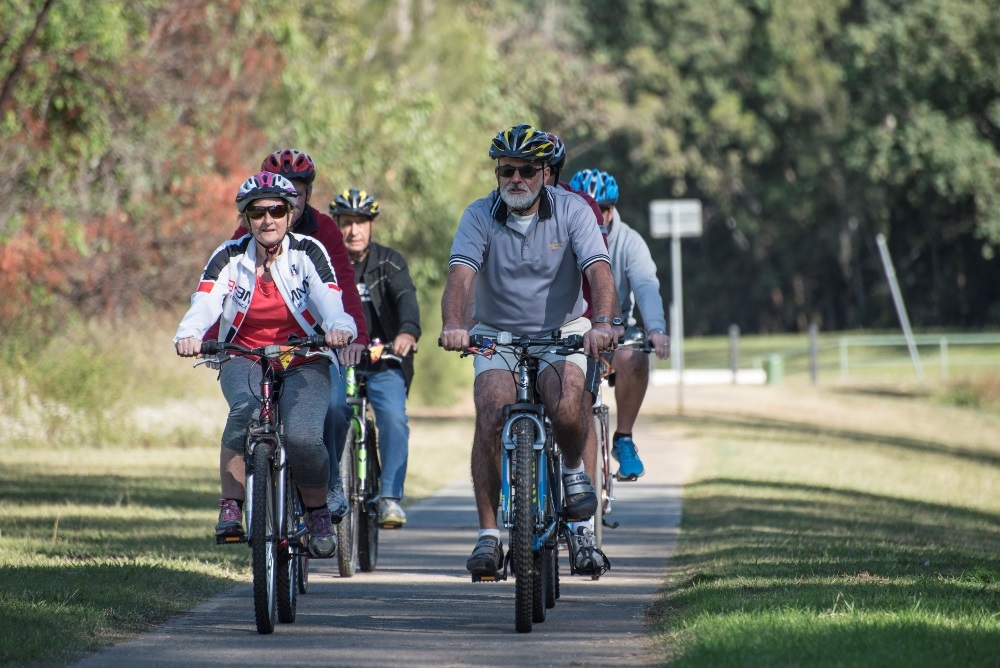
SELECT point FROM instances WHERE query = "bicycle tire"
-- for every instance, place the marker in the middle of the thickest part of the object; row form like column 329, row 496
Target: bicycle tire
column 263, row 545
column 303, row 573
column 347, row 530
column 368, row 521
column 603, row 477
column 287, row 576
column 522, row 529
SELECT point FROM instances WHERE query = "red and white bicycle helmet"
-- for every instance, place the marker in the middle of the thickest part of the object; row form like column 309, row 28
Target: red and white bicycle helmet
column 291, row 164
column 265, row 185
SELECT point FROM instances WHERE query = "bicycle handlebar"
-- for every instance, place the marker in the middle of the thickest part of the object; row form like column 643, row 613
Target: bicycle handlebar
column 571, row 343
column 216, row 347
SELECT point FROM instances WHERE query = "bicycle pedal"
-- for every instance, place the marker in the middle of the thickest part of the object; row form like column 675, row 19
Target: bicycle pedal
column 391, row 525
column 230, row 540
column 489, row 578
column 628, row 478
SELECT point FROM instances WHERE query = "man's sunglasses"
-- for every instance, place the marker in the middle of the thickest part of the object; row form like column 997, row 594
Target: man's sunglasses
column 275, row 210
column 526, row 171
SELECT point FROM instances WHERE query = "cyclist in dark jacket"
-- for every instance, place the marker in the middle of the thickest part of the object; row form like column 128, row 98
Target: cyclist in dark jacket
column 392, row 314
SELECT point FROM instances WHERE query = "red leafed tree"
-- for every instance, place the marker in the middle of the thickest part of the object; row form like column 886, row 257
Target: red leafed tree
column 128, row 145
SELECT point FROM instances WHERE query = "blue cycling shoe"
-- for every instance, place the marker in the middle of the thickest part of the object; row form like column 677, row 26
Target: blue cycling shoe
column 629, row 465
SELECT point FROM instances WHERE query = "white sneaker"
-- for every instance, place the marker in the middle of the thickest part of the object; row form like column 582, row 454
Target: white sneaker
column 390, row 514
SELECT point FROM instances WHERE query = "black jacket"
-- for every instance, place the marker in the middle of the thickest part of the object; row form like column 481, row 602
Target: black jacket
column 394, row 298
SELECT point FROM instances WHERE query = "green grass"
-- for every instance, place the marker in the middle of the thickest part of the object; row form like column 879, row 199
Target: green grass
column 98, row 544
column 811, row 544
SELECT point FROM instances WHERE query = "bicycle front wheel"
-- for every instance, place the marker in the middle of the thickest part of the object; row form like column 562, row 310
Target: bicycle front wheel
column 368, row 520
column 263, row 546
column 522, row 528
column 347, row 530
column 603, row 479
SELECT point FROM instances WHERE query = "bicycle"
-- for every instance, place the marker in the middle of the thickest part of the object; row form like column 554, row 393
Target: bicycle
column 604, row 479
column 531, row 497
column 275, row 514
column 357, row 532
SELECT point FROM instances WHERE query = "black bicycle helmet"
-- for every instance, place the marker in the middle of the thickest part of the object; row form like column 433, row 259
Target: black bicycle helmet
column 354, row 201
column 522, row 141
column 558, row 158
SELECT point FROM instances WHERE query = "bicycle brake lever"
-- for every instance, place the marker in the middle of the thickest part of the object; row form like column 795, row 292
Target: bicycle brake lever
column 215, row 361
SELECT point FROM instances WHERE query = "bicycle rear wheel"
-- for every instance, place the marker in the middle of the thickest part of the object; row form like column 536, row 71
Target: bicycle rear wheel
column 263, row 545
column 368, row 520
column 347, row 530
column 522, row 529
column 287, row 575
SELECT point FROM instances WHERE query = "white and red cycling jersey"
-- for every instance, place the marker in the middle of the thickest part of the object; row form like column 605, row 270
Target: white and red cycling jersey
column 302, row 273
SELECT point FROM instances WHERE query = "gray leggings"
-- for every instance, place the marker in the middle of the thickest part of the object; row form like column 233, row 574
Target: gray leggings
column 305, row 393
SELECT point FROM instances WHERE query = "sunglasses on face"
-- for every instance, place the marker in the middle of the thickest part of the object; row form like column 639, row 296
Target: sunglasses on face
column 276, row 211
column 526, row 171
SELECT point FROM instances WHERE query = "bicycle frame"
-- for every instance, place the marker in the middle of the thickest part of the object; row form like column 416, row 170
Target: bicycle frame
column 278, row 553
column 531, row 492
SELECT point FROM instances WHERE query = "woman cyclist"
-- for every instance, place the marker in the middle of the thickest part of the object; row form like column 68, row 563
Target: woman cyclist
column 267, row 286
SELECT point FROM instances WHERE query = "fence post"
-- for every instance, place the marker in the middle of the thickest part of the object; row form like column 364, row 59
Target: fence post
column 734, row 350
column 843, row 358
column 813, row 353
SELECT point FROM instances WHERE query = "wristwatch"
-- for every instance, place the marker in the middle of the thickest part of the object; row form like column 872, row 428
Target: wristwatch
column 615, row 322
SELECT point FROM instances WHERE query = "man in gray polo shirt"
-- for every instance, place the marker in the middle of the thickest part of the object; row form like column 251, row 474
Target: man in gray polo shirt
column 524, row 248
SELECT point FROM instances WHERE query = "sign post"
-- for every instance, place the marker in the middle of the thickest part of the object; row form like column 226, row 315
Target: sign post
column 676, row 218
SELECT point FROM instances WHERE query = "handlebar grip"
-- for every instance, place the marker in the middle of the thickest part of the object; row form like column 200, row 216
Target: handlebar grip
column 211, row 348
column 314, row 341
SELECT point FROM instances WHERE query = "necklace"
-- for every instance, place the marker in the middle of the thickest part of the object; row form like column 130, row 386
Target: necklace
column 267, row 292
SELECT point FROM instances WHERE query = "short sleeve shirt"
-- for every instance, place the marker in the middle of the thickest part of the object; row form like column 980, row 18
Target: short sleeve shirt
column 528, row 283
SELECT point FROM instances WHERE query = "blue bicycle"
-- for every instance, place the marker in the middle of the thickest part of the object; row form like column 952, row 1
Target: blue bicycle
column 531, row 497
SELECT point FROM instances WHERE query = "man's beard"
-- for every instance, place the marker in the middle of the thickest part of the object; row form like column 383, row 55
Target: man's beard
column 519, row 201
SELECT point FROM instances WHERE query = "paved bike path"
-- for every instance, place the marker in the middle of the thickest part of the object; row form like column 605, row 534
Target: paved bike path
column 419, row 608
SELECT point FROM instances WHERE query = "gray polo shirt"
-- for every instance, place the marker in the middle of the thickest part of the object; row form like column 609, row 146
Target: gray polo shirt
column 529, row 283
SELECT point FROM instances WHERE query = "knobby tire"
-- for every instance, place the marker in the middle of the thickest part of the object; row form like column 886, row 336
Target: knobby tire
column 288, row 564
column 368, row 521
column 522, row 530
column 264, row 548
column 347, row 530
column 602, row 474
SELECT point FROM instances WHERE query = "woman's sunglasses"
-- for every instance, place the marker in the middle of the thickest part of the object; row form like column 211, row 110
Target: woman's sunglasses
column 526, row 171
column 276, row 211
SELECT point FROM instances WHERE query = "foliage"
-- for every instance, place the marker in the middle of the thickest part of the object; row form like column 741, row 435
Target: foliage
column 805, row 128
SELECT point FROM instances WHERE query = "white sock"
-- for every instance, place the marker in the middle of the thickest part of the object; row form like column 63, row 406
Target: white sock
column 489, row 532
column 577, row 527
column 568, row 471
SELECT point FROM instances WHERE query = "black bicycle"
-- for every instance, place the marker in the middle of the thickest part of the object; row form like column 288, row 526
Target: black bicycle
column 360, row 471
column 531, row 497
column 275, row 514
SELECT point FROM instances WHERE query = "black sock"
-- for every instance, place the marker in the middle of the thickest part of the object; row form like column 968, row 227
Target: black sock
column 309, row 510
column 618, row 435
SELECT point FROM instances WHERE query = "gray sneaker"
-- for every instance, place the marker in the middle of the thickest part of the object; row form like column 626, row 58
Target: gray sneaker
column 337, row 502
column 322, row 539
column 390, row 514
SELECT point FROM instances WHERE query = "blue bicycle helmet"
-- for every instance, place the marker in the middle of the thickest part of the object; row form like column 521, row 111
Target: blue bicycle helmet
column 600, row 185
